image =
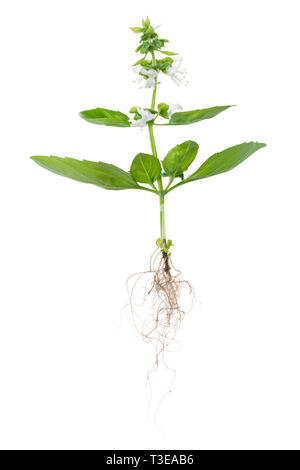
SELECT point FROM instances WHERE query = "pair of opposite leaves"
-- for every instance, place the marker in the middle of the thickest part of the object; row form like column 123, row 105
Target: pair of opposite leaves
column 146, row 168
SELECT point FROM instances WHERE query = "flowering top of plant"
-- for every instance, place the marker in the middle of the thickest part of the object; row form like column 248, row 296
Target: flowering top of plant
column 147, row 170
column 149, row 69
column 149, row 42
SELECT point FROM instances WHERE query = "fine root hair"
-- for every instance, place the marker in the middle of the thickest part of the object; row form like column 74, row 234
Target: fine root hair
column 157, row 300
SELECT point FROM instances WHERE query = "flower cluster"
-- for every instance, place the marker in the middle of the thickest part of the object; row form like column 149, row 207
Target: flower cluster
column 148, row 72
column 146, row 77
column 173, row 108
column 148, row 69
column 142, row 116
column 175, row 72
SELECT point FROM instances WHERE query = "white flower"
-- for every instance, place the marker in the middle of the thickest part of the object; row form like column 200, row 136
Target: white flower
column 146, row 116
column 147, row 79
column 173, row 108
column 175, row 71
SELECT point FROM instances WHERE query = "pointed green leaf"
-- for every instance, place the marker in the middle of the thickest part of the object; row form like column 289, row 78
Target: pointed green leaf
column 106, row 117
column 140, row 61
column 189, row 117
column 179, row 158
column 168, row 53
column 101, row 174
column 146, row 22
column 136, row 29
column 145, row 168
column 225, row 160
column 163, row 110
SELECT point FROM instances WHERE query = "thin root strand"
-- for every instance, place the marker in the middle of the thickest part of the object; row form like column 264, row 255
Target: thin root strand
column 158, row 293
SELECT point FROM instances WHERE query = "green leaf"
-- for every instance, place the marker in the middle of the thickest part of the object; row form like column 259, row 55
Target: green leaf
column 189, row 117
column 225, row 160
column 179, row 158
column 101, row 174
column 145, row 168
column 163, row 110
column 145, row 47
column 106, row 117
column 157, row 43
column 140, row 61
column 136, row 29
column 168, row 53
column 146, row 22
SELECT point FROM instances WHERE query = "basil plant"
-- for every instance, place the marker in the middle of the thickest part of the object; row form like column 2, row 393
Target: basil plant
column 150, row 172
column 147, row 171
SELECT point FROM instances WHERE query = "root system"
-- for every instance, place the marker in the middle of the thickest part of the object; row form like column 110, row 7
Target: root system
column 157, row 298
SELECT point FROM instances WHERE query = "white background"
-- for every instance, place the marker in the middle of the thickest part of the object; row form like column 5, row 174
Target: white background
column 72, row 371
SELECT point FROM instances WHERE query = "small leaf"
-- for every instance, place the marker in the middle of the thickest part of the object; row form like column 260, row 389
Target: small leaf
column 179, row 158
column 225, row 160
column 140, row 61
column 101, row 174
column 163, row 110
column 158, row 243
column 106, row 117
column 157, row 43
column 145, row 47
column 189, row 117
column 169, row 53
column 146, row 22
column 145, row 168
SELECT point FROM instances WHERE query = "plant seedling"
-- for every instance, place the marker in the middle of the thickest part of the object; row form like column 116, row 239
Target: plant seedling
column 149, row 173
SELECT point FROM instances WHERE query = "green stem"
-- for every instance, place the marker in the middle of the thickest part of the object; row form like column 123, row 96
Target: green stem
column 159, row 181
column 176, row 185
column 171, row 179
column 148, row 189
column 162, row 221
